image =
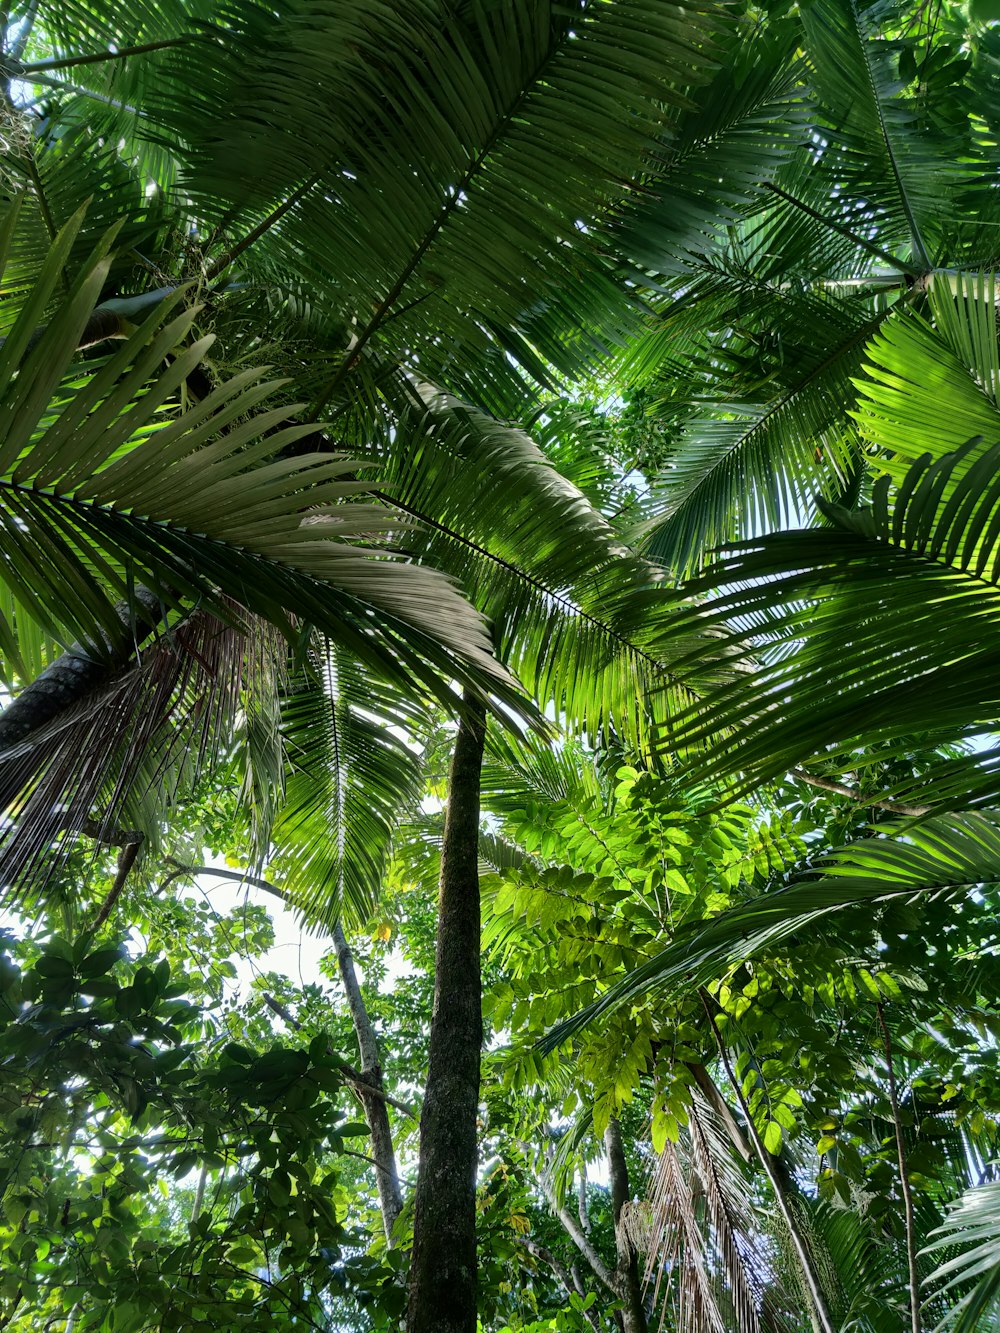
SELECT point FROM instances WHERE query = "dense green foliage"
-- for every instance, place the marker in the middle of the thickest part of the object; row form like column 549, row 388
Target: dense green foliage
column 634, row 366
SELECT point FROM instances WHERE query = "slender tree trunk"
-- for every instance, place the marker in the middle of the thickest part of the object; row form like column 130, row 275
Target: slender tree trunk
column 442, row 1294
column 633, row 1315
column 904, row 1180
column 818, row 1312
column 376, row 1111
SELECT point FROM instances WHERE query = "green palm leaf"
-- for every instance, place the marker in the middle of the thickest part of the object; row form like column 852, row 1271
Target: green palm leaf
column 861, row 634
column 105, row 486
column 451, row 235
column 745, row 124
column 881, row 153
column 972, row 1228
column 578, row 618
column 351, row 778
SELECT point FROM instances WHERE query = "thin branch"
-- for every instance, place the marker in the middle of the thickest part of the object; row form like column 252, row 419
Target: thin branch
column 238, row 876
column 98, row 57
column 828, row 784
column 383, row 1151
column 582, row 1242
column 904, row 1180
column 353, row 1075
column 106, row 833
column 126, row 860
column 816, row 1298
column 562, row 1273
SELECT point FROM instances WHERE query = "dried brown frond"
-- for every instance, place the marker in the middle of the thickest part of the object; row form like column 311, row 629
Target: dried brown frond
column 148, row 732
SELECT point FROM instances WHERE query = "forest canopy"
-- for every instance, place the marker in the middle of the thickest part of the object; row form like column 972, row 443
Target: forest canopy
column 500, row 733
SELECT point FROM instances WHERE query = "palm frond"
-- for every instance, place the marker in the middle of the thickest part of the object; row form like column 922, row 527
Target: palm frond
column 104, row 486
column 972, row 1228
column 881, row 153
column 575, row 615
column 151, row 728
column 745, row 124
column 353, row 774
column 452, row 236
column 929, row 390
column 842, row 634
column 703, row 1236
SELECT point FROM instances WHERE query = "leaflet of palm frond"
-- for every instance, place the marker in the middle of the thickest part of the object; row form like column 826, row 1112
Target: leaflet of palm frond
column 106, row 487
column 930, row 389
column 949, row 855
column 527, row 779
column 438, row 202
column 882, row 152
column 969, row 1278
column 847, row 633
column 353, row 775
column 744, row 126
column 76, row 168
column 165, row 717
column 749, row 467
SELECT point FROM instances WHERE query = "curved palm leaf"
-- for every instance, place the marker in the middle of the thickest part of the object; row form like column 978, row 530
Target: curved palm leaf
column 745, row 124
column 881, row 153
column 104, row 487
column 843, row 631
column 576, row 616
column 351, row 778
column 973, row 1229
column 450, row 235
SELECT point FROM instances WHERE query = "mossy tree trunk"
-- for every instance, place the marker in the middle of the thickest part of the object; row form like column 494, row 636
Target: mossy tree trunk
column 442, row 1287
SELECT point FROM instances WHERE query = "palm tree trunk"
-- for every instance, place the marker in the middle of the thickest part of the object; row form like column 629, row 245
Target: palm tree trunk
column 633, row 1314
column 442, row 1288
column 376, row 1111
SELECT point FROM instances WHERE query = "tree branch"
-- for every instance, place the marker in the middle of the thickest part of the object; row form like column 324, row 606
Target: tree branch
column 562, row 1273
column 371, row 1090
column 852, row 794
column 126, row 860
column 582, row 1242
column 354, row 1076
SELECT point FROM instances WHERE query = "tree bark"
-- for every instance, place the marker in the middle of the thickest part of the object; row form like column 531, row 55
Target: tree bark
column 629, row 1282
column 376, row 1112
column 442, row 1286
